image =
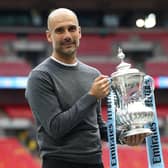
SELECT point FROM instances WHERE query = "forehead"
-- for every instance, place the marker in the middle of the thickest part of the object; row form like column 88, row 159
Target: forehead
column 62, row 20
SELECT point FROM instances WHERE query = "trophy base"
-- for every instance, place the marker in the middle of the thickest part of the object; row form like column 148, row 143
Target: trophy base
column 137, row 131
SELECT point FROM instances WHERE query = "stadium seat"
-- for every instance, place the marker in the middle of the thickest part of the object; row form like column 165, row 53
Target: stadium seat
column 156, row 68
column 14, row 68
column 132, row 157
column 18, row 111
column 14, row 155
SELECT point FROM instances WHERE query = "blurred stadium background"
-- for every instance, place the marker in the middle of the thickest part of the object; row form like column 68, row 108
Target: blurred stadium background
column 139, row 27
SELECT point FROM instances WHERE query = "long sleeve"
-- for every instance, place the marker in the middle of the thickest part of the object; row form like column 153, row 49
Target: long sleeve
column 47, row 109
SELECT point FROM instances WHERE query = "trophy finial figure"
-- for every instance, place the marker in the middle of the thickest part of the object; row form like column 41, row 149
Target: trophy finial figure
column 123, row 65
column 121, row 55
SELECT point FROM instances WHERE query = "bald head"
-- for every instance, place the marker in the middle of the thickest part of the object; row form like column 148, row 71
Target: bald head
column 60, row 14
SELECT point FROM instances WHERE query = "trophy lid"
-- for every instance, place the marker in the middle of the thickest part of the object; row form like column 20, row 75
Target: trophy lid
column 124, row 68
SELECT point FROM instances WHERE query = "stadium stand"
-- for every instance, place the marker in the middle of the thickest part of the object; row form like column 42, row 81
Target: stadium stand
column 98, row 48
column 101, row 44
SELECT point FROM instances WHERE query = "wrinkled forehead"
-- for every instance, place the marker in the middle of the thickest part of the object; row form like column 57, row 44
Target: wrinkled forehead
column 60, row 17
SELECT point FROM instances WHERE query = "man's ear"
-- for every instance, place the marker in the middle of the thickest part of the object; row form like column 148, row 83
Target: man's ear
column 48, row 35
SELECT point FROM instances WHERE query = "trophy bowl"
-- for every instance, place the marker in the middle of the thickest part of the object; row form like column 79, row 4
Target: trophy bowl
column 132, row 114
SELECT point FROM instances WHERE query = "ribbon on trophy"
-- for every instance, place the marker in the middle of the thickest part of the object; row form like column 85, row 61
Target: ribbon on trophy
column 111, row 130
column 153, row 143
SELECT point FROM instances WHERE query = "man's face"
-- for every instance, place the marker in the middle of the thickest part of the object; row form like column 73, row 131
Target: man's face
column 65, row 35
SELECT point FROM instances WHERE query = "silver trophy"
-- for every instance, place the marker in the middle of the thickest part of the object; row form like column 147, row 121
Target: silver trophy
column 132, row 114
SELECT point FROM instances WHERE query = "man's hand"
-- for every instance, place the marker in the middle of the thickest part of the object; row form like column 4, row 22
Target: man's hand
column 100, row 87
column 134, row 139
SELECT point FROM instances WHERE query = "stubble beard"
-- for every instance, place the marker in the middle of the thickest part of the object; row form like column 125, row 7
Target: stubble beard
column 68, row 52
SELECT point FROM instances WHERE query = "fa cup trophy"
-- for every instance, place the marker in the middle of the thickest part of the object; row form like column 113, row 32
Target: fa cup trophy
column 131, row 109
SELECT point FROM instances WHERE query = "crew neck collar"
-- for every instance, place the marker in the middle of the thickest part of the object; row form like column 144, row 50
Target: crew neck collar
column 62, row 63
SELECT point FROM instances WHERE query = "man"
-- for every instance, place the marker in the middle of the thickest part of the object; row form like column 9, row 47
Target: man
column 65, row 97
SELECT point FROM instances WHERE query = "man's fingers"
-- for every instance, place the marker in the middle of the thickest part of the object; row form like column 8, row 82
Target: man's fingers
column 101, row 77
column 100, row 87
column 134, row 139
column 104, row 82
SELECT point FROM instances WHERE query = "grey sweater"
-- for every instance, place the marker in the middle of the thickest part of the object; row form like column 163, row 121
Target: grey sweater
column 68, row 119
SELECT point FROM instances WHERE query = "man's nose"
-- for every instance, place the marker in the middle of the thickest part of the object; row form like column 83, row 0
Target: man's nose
column 67, row 34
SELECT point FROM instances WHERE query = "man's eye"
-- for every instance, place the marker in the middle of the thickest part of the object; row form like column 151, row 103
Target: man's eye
column 72, row 28
column 59, row 30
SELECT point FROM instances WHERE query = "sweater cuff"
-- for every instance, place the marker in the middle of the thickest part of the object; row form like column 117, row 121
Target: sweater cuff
column 90, row 98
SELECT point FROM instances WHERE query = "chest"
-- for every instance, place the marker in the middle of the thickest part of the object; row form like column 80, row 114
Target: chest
column 70, row 87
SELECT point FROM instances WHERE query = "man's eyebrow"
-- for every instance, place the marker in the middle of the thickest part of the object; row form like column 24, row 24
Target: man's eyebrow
column 64, row 27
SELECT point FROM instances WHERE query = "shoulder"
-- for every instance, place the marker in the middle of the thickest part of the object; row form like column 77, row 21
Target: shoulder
column 88, row 68
column 43, row 66
column 40, row 71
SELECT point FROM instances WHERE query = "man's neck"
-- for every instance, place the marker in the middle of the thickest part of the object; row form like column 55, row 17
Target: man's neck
column 65, row 59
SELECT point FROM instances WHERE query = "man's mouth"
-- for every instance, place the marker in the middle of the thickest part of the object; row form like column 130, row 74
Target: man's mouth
column 69, row 44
